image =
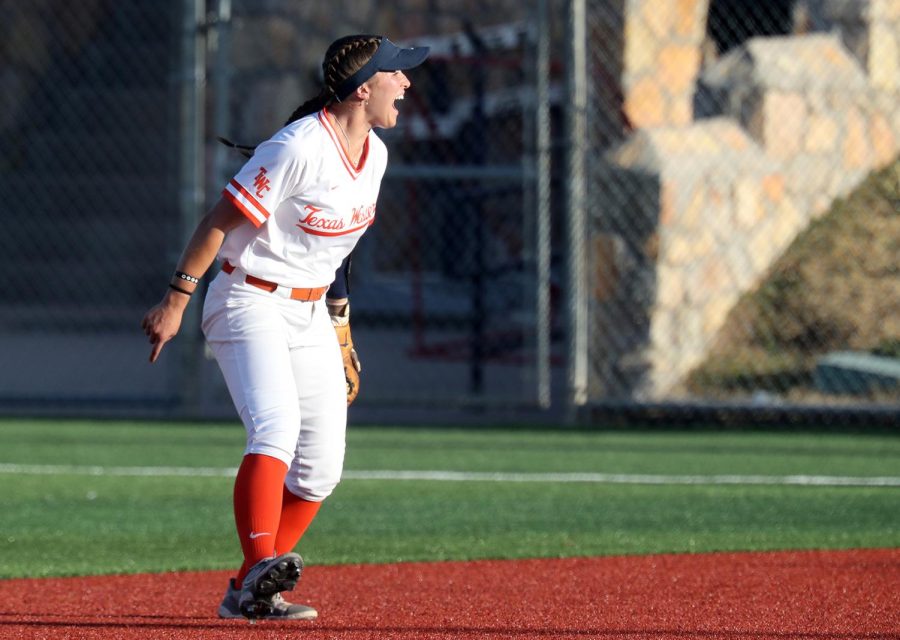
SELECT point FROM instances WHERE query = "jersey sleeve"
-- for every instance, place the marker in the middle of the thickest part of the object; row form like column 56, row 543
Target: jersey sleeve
column 340, row 288
column 273, row 173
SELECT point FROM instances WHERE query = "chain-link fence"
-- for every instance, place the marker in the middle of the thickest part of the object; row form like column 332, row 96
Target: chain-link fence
column 89, row 130
column 630, row 203
column 742, row 252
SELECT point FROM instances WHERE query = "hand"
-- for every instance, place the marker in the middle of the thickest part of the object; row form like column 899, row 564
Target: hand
column 352, row 366
column 162, row 321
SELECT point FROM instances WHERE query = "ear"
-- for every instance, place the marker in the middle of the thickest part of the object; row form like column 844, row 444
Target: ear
column 364, row 91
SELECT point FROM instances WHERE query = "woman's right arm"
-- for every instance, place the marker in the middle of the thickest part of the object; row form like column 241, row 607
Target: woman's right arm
column 162, row 321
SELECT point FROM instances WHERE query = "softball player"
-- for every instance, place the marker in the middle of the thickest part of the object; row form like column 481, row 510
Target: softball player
column 283, row 230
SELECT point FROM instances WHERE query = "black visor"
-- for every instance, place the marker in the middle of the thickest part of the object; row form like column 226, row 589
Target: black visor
column 388, row 57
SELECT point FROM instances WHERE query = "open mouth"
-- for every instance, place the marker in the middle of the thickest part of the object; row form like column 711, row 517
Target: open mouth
column 397, row 100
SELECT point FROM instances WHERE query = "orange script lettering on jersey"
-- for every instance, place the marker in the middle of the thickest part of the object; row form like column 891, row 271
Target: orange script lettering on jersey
column 261, row 182
column 312, row 221
column 362, row 214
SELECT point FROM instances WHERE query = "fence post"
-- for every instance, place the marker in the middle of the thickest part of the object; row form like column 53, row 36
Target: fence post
column 576, row 227
column 220, row 44
column 537, row 185
column 191, row 195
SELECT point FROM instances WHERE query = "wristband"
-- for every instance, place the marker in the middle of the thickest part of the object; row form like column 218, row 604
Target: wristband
column 180, row 290
column 183, row 276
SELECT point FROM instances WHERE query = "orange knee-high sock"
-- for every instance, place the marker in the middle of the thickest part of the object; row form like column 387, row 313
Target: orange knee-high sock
column 257, row 507
column 296, row 516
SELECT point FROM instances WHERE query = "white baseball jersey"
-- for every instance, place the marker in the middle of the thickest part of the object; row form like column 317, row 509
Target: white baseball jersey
column 308, row 203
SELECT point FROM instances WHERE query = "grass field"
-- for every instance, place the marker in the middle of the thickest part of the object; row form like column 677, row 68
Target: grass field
column 112, row 497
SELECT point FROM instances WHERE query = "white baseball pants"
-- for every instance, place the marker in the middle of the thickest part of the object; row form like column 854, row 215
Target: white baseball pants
column 283, row 367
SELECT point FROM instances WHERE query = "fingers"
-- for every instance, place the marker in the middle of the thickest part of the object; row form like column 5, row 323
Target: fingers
column 158, row 342
column 354, row 359
column 154, row 354
column 153, row 334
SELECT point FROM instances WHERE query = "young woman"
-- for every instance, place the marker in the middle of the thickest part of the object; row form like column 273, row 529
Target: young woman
column 283, row 230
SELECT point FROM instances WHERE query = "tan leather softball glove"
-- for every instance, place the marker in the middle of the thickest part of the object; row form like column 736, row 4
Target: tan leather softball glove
column 340, row 319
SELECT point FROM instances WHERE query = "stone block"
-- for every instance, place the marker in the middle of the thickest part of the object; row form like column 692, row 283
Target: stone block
column 681, row 111
column 716, row 312
column 690, row 18
column 773, row 187
column 884, row 142
column 884, row 56
column 782, row 123
column 644, row 103
column 856, row 153
column 739, row 266
column 761, row 246
column 716, row 280
column 670, row 287
column 704, row 243
column 677, row 250
column 821, row 135
column 788, row 222
column 748, row 206
column 692, row 218
column 641, row 48
column 678, row 66
column 659, row 17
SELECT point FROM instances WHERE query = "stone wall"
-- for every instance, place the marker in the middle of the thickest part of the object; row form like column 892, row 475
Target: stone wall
column 691, row 215
column 663, row 46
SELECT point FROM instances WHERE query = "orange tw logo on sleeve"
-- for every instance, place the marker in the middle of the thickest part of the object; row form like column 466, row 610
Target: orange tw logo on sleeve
column 261, row 182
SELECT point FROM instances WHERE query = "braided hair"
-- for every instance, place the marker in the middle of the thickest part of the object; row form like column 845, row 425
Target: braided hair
column 343, row 58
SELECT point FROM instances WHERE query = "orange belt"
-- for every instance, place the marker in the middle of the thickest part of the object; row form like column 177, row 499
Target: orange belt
column 304, row 295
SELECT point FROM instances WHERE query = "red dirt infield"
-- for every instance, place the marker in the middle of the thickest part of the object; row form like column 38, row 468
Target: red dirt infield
column 741, row 596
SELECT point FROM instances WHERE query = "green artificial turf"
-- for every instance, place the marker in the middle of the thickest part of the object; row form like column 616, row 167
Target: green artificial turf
column 75, row 523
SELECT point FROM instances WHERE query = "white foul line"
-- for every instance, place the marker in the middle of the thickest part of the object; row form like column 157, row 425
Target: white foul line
column 475, row 476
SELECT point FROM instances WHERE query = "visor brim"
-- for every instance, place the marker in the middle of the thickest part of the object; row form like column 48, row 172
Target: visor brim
column 405, row 58
column 388, row 57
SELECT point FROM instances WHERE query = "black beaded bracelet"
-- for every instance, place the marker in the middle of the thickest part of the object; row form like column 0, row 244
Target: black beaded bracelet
column 180, row 290
column 182, row 275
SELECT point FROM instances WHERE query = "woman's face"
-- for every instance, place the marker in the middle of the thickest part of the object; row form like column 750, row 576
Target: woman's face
column 386, row 87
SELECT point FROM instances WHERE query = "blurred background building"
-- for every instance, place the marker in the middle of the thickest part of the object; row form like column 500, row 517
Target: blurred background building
column 630, row 206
